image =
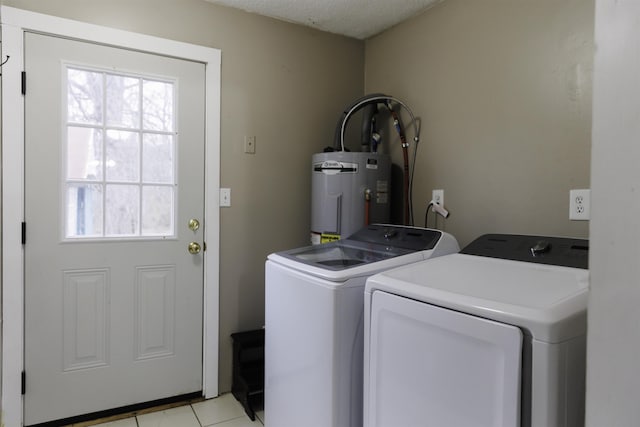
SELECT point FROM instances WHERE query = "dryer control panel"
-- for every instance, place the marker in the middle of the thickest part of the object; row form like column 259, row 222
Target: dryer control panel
column 559, row 251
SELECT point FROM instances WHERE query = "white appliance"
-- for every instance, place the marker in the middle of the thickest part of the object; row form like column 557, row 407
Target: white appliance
column 492, row 336
column 314, row 321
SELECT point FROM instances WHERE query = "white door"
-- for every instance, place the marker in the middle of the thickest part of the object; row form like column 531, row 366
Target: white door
column 114, row 172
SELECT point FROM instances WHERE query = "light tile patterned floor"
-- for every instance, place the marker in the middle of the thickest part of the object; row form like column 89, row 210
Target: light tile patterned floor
column 223, row 411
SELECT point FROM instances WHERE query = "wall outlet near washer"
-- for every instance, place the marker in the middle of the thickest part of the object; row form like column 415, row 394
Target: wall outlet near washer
column 580, row 205
column 437, row 196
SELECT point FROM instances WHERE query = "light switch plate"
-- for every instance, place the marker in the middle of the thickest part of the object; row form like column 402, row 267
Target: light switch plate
column 225, row 197
column 250, row 144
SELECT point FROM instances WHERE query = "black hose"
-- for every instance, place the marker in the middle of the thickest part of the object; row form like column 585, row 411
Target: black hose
column 368, row 113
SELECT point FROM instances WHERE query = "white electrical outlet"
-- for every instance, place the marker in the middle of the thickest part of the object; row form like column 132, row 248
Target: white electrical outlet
column 580, row 205
column 438, row 197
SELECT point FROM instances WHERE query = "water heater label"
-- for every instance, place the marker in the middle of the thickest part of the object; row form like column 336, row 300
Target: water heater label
column 332, row 167
column 329, row 237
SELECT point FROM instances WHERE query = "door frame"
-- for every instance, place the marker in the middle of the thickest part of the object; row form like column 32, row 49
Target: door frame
column 14, row 23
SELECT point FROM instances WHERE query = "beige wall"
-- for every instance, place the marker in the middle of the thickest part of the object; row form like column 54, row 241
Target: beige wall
column 503, row 89
column 284, row 84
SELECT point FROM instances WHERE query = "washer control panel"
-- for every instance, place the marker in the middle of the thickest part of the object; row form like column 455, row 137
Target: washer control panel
column 398, row 236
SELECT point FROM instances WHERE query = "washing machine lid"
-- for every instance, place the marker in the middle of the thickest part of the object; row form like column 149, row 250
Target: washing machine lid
column 548, row 302
column 371, row 249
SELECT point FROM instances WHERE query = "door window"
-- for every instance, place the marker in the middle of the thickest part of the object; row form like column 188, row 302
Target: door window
column 119, row 179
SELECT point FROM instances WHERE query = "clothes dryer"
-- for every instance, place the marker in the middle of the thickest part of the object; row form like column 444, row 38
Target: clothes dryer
column 314, row 321
column 492, row 336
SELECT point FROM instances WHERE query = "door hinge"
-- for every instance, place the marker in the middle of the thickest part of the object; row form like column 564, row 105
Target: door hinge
column 24, row 82
column 24, row 232
column 24, row 382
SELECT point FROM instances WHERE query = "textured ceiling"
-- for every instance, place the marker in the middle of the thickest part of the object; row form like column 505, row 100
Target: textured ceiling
column 354, row 18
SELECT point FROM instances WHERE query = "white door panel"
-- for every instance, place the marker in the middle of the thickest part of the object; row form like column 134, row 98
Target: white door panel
column 116, row 321
column 430, row 366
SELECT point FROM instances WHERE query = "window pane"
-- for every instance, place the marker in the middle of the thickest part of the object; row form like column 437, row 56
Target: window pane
column 84, row 210
column 122, row 210
column 157, row 107
column 123, row 156
column 157, row 159
column 157, row 211
column 84, row 93
column 84, row 153
column 123, row 101
column 120, row 142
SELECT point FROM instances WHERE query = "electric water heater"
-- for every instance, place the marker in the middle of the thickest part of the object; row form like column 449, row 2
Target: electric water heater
column 348, row 191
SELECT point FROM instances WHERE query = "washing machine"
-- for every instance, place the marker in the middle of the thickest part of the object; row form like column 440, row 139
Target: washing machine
column 314, row 321
column 492, row 336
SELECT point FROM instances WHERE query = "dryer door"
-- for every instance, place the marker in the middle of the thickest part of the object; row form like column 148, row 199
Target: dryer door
column 431, row 366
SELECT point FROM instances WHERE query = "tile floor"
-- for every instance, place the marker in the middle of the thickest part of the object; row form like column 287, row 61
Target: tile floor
column 223, row 411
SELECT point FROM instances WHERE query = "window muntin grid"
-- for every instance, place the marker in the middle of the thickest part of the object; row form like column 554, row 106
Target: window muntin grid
column 120, row 155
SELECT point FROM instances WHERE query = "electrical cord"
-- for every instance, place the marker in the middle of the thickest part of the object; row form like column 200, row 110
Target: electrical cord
column 426, row 214
column 411, row 173
column 438, row 210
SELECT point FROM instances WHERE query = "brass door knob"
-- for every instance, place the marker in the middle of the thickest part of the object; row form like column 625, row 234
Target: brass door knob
column 194, row 224
column 194, row 248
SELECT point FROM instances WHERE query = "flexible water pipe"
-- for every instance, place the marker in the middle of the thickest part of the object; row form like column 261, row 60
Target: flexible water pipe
column 387, row 100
